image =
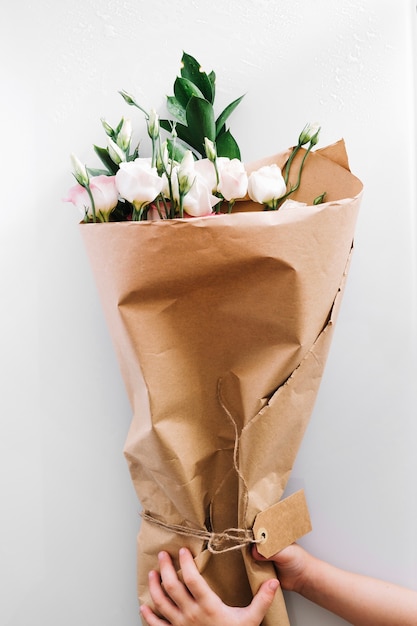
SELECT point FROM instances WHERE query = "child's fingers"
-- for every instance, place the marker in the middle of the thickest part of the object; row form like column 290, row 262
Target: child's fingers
column 150, row 617
column 172, row 586
column 162, row 602
column 195, row 583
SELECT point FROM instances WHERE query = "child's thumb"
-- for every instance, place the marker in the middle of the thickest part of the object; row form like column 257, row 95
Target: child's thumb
column 263, row 600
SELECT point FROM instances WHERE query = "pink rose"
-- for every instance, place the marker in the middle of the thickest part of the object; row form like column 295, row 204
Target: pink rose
column 105, row 196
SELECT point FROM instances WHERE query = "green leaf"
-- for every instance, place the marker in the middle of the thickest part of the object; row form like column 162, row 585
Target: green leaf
column 220, row 131
column 191, row 69
column 166, row 125
column 187, row 136
column 106, row 160
column 176, row 109
column 212, row 79
column 184, row 89
column 227, row 147
column 119, row 127
column 221, row 120
column 134, row 155
column 200, row 122
column 182, row 131
column 94, row 171
column 176, row 150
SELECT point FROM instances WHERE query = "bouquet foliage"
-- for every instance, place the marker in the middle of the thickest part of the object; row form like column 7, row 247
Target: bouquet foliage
column 196, row 170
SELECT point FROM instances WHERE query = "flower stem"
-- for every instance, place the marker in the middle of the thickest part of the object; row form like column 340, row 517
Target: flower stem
column 216, row 169
column 301, row 168
column 297, row 184
column 289, row 162
column 93, row 205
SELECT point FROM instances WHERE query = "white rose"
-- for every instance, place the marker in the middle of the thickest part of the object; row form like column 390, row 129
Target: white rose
column 233, row 179
column 266, row 185
column 205, row 169
column 188, row 181
column 199, row 200
column 138, row 182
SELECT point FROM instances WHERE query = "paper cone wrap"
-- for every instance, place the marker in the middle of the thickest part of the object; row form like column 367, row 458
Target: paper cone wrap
column 222, row 326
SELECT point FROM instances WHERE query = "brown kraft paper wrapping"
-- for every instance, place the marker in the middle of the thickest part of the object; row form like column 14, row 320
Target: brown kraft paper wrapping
column 222, row 326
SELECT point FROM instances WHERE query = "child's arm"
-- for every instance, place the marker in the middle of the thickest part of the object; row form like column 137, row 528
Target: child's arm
column 360, row 600
column 194, row 603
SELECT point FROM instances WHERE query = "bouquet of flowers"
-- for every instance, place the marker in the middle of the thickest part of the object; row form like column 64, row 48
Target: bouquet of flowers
column 192, row 173
column 221, row 283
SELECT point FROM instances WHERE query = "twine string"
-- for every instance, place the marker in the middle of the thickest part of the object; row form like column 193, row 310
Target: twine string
column 231, row 538
column 235, row 449
column 217, row 543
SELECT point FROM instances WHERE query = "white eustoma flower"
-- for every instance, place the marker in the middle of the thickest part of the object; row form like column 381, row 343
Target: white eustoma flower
column 210, row 148
column 186, row 172
column 206, row 169
column 199, row 200
column 170, row 185
column 153, row 124
column 266, row 185
column 108, row 129
column 189, row 188
column 138, row 182
column 115, row 152
column 125, row 135
column 105, row 197
column 309, row 132
column 233, row 179
column 79, row 171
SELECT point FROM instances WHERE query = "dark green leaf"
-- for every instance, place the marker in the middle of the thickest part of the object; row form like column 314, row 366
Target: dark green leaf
column 186, row 135
column 226, row 146
column 166, row 125
column 182, row 131
column 212, row 79
column 220, row 131
column 191, row 69
column 106, row 160
column 184, row 89
column 200, row 122
column 226, row 113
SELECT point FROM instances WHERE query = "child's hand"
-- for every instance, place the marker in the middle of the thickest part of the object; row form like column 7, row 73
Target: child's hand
column 193, row 603
column 291, row 565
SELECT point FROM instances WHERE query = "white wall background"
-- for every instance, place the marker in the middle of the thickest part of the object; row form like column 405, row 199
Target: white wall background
column 68, row 512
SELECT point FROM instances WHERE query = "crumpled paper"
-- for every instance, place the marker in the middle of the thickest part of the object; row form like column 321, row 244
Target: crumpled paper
column 222, row 326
